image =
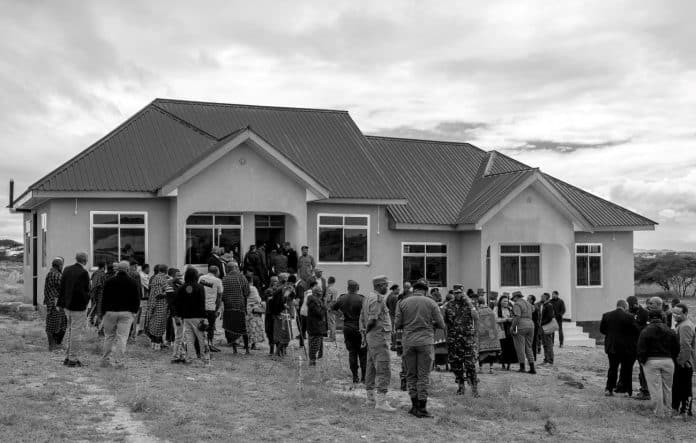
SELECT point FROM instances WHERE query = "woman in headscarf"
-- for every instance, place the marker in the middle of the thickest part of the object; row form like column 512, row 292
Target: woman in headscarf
column 316, row 324
column 254, row 314
column 190, row 307
column 157, row 308
column 489, row 345
column 504, row 320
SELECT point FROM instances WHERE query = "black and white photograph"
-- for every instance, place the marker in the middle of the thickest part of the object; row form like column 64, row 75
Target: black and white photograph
column 388, row 221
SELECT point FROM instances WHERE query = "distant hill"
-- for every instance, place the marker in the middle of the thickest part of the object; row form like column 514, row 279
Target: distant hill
column 7, row 243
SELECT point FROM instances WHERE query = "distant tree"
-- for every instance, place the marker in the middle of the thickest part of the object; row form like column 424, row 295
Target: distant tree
column 672, row 272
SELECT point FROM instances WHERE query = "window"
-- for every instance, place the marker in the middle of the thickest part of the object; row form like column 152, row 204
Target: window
column 119, row 236
column 44, row 228
column 425, row 260
column 588, row 261
column 206, row 231
column 520, row 265
column 343, row 238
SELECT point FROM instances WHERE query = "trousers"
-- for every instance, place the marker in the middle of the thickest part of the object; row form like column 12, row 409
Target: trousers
column 77, row 322
column 178, row 346
column 331, row 322
column 356, row 353
column 682, row 390
column 547, row 340
column 418, row 361
column 116, row 328
column 523, row 344
column 212, row 317
column 378, row 372
column 316, row 347
column 659, row 373
column 625, row 374
column 192, row 333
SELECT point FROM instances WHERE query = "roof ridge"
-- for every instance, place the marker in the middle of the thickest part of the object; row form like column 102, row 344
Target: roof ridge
column 597, row 197
column 89, row 150
column 443, row 142
column 240, row 105
column 184, row 122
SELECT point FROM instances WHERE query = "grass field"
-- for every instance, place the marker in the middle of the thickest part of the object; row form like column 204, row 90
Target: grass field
column 256, row 398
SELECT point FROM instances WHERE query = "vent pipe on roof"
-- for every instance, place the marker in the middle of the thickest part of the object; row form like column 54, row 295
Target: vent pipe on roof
column 11, row 193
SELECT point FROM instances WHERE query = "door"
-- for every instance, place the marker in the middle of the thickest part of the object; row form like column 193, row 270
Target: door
column 270, row 230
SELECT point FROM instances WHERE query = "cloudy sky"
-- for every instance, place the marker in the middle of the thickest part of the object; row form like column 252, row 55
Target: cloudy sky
column 600, row 94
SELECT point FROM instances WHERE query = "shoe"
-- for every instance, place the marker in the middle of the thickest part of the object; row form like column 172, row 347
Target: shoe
column 356, row 380
column 422, row 409
column 474, row 389
column 74, row 364
column 532, row 369
column 608, row 393
column 382, row 404
column 370, row 400
column 521, row 368
column 414, row 406
column 213, row 348
column 642, row 396
column 66, row 362
column 461, row 389
column 176, row 360
column 247, row 352
column 312, row 363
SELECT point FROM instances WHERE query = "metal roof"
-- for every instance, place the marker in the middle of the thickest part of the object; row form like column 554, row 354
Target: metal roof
column 490, row 190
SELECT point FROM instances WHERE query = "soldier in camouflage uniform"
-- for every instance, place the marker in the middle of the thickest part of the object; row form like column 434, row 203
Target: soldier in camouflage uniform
column 462, row 340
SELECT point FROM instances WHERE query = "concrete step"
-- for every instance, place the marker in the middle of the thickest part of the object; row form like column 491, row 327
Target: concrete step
column 575, row 336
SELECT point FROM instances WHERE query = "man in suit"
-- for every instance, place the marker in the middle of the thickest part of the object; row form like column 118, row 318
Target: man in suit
column 621, row 336
column 73, row 298
column 640, row 315
column 215, row 260
column 559, row 310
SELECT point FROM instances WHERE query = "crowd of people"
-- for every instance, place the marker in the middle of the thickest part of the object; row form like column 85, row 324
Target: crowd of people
column 463, row 330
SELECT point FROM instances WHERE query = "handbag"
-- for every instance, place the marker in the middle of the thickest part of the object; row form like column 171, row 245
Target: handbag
column 550, row 327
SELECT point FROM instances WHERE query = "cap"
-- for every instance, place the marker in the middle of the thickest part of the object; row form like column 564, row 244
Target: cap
column 380, row 279
column 458, row 287
column 421, row 283
column 457, row 290
column 517, row 294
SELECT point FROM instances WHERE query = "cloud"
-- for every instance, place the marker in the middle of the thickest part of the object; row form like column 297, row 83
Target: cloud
column 564, row 147
column 447, row 131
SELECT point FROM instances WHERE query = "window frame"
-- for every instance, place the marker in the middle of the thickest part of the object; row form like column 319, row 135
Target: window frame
column 520, row 254
column 213, row 227
column 588, row 254
column 343, row 226
column 27, row 241
column 425, row 254
column 118, row 225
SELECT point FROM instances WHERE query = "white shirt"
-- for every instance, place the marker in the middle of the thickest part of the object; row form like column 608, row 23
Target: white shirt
column 213, row 288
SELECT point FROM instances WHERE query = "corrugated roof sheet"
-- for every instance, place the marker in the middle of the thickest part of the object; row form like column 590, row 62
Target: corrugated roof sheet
column 599, row 212
column 434, row 176
column 137, row 156
column 326, row 144
column 490, row 190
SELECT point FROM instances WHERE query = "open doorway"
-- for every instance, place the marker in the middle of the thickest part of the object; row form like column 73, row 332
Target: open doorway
column 269, row 231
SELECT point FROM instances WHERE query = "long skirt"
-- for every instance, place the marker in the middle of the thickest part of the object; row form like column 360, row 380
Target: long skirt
column 255, row 328
column 508, row 353
column 281, row 329
column 234, row 322
column 56, row 321
column 157, row 315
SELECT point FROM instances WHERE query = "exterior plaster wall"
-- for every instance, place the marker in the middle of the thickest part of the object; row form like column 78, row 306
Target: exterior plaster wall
column 68, row 232
column 530, row 218
column 385, row 246
column 241, row 182
column 617, row 275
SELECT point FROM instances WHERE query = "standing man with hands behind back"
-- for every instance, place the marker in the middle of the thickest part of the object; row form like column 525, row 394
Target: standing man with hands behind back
column 73, row 298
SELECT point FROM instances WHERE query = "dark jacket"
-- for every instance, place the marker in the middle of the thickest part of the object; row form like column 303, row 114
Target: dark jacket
column 548, row 313
column 657, row 340
column 640, row 315
column 214, row 260
column 621, row 332
column 316, row 316
column 74, row 288
column 291, row 254
column 558, row 308
column 351, row 306
column 189, row 301
column 120, row 294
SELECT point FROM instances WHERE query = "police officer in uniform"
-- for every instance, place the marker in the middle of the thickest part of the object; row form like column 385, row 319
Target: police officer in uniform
column 462, row 340
column 375, row 325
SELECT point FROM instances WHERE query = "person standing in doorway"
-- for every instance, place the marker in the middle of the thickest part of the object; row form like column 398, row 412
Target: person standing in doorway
column 350, row 305
column 559, row 310
column 120, row 304
column 56, row 322
column 305, row 265
column 375, row 325
column 418, row 316
column 620, row 337
column 291, row 254
column 73, row 298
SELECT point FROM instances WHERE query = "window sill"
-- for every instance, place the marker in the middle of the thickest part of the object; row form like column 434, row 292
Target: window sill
column 589, row 287
column 329, row 263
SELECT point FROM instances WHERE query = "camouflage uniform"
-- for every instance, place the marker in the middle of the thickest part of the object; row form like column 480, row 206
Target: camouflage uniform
column 462, row 340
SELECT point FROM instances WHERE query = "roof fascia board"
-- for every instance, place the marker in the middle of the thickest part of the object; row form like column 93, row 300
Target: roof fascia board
column 92, row 194
column 265, row 149
column 624, row 228
column 422, row 227
column 364, row 201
